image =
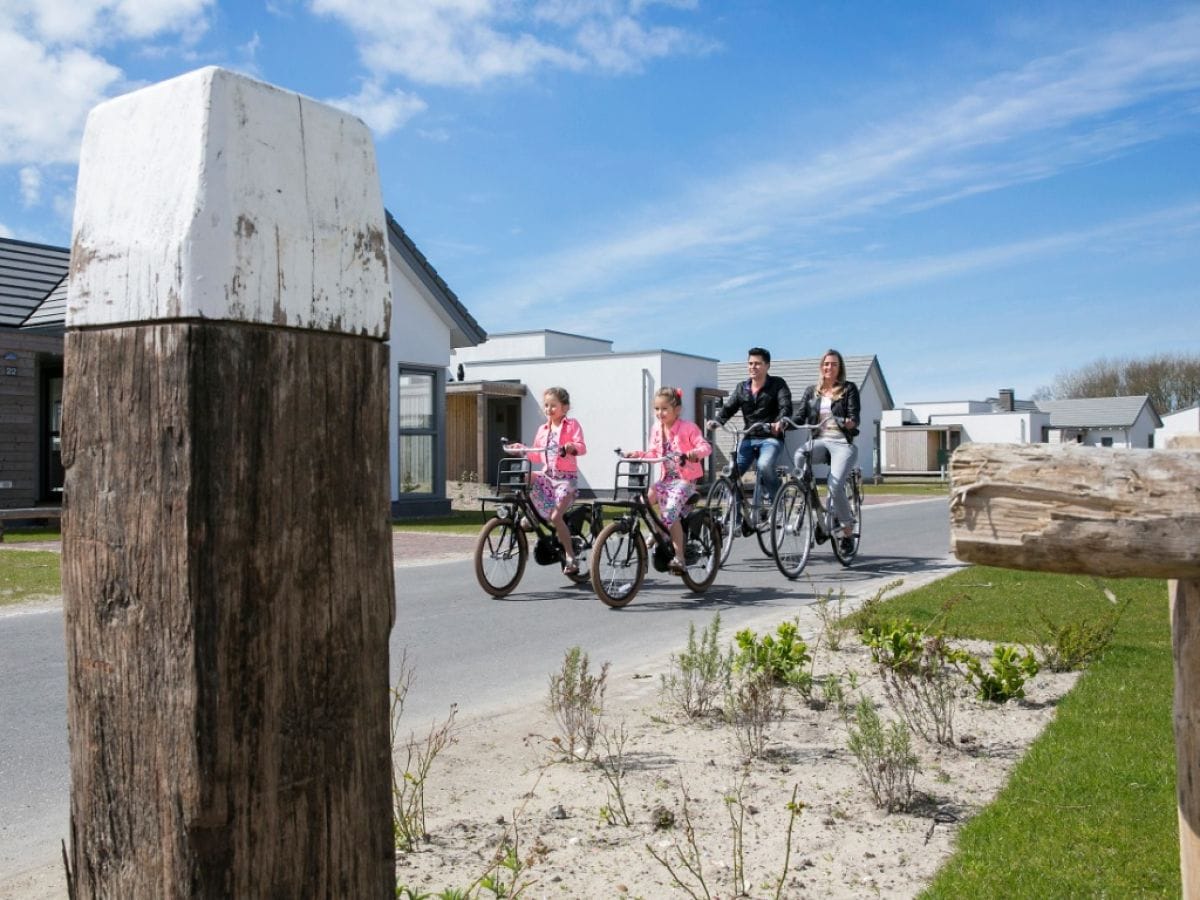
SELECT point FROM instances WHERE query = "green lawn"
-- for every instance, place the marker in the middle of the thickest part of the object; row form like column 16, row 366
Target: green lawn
column 1090, row 809
column 28, row 575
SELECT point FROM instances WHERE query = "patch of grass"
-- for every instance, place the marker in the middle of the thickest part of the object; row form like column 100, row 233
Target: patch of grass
column 1090, row 809
column 930, row 489
column 28, row 535
column 457, row 522
column 29, row 575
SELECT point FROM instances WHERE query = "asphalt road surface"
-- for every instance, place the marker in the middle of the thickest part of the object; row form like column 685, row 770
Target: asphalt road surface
column 465, row 647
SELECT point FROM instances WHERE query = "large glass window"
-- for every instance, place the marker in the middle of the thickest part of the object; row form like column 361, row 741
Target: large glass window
column 418, row 431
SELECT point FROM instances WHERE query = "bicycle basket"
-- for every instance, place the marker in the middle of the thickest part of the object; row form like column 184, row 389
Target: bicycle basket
column 633, row 477
column 513, row 473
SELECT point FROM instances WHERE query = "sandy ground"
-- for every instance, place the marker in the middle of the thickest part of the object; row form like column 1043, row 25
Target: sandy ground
column 504, row 779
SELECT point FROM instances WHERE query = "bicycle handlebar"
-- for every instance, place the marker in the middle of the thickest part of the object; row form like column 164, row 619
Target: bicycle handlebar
column 678, row 458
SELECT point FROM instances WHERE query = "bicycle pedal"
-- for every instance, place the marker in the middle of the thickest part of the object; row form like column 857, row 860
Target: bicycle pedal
column 822, row 537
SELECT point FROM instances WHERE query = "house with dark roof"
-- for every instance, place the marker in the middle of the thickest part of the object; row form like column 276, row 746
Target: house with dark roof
column 428, row 322
column 30, row 376
column 863, row 371
column 919, row 437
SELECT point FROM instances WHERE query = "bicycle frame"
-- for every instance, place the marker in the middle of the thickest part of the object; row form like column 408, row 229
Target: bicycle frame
column 742, row 513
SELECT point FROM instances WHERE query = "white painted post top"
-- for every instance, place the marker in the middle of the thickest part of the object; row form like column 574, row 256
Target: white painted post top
column 215, row 196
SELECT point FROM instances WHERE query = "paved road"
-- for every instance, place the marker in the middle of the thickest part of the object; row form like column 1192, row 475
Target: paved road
column 465, row 647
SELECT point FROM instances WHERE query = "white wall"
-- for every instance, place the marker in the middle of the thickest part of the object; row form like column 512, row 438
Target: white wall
column 419, row 338
column 611, row 396
column 998, row 428
column 528, row 345
column 1186, row 421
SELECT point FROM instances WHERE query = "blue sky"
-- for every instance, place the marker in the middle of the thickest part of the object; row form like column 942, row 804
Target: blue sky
column 983, row 195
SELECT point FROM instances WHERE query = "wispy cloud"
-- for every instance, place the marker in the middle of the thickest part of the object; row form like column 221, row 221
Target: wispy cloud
column 31, row 185
column 452, row 43
column 383, row 110
column 1057, row 112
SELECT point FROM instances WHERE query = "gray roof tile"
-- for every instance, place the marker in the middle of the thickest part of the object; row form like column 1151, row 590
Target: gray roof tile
column 1097, row 412
column 28, row 272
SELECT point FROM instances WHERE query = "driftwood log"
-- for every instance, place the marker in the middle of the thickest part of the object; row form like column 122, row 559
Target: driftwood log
column 1074, row 509
column 227, row 572
column 1107, row 512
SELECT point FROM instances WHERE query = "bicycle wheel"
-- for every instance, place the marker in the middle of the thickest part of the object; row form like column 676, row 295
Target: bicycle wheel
column 722, row 506
column 702, row 551
column 845, row 549
column 500, row 556
column 763, row 530
column 791, row 529
column 618, row 563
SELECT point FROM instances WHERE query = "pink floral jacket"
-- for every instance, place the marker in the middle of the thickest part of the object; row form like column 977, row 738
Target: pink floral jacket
column 570, row 435
column 686, row 437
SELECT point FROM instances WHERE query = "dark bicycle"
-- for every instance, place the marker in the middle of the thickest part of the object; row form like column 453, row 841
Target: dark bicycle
column 503, row 547
column 734, row 511
column 799, row 519
column 619, row 558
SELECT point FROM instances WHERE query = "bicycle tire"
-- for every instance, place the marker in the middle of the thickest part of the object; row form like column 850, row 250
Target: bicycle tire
column 844, row 550
column 791, row 529
column 707, row 545
column 764, row 530
column 619, row 549
column 722, row 506
column 500, row 556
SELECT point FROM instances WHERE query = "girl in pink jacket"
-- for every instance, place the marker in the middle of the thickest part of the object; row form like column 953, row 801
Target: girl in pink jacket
column 670, row 437
column 559, row 441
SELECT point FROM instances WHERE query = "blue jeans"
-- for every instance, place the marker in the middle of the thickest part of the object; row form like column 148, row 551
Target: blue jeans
column 766, row 449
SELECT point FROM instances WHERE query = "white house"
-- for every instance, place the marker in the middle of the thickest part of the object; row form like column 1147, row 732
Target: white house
column 866, row 374
column 1183, row 421
column 428, row 321
column 919, row 437
column 612, row 394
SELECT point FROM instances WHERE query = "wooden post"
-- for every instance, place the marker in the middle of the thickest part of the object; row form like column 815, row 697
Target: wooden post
column 227, row 572
column 1097, row 511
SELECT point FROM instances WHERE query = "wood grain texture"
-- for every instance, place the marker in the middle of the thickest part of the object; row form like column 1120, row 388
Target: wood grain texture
column 1072, row 509
column 228, row 591
column 1185, row 639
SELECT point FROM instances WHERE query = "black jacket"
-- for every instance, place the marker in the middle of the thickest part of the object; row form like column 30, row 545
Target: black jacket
column 847, row 406
column 771, row 404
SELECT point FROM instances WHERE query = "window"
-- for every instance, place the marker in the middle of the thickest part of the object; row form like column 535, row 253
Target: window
column 1105, row 442
column 417, row 431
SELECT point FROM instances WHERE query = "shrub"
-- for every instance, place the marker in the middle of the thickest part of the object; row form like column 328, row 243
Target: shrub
column 885, row 757
column 1006, row 681
column 577, row 702
column 919, row 676
column 1069, row 646
column 752, row 704
column 699, row 674
column 783, row 657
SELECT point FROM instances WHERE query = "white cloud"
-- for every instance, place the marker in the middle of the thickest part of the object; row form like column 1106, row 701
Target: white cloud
column 44, row 98
column 383, row 111
column 472, row 42
column 31, row 185
column 5, row 231
column 95, row 22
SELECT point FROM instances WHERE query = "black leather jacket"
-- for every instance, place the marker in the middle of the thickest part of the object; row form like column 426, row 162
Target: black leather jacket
column 847, row 406
column 772, row 403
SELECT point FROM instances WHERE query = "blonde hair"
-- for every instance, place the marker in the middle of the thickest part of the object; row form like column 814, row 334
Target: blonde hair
column 672, row 395
column 558, row 393
column 839, row 380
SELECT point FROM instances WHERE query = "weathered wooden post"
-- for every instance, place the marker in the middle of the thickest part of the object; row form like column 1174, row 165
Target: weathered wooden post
column 1095, row 511
column 227, row 570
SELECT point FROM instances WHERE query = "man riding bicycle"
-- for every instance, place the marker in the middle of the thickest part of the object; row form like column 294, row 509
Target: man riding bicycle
column 762, row 399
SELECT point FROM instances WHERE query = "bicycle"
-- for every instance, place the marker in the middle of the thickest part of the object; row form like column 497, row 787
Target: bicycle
column 502, row 550
column 799, row 519
column 729, row 504
column 619, row 557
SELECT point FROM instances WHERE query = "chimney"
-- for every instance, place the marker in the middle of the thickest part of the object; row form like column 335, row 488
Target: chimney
column 1006, row 400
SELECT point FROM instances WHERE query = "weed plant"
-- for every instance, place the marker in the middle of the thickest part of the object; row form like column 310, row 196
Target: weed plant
column 613, row 766
column 1006, row 680
column 783, row 656
column 869, row 613
column 409, row 779
column 753, row 704
column 835, row 626
column 1072, row 644
column 577, row 703
column 885, row 757
column 698, row 676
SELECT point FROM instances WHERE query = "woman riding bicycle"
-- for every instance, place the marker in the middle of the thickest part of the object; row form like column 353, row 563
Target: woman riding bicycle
column 672, row 438
column 762, row 399
column 833, row 405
